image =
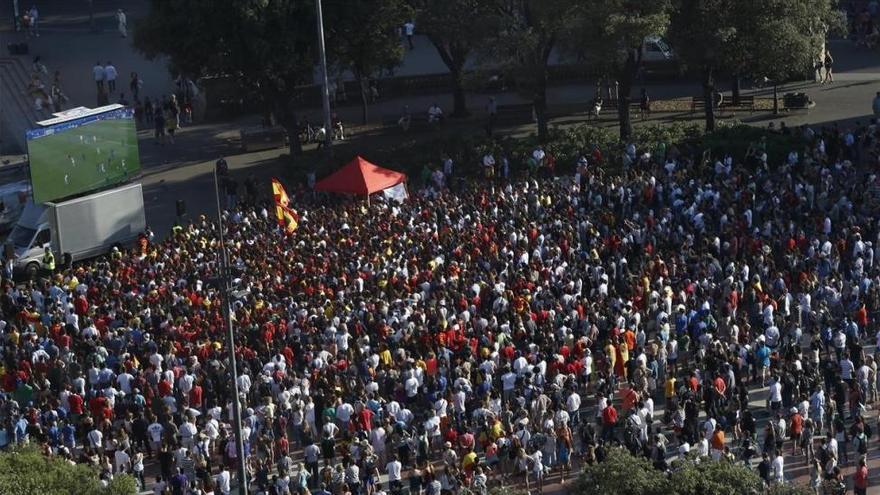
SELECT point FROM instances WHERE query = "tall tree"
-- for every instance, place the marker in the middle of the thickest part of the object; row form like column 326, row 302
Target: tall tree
column 265, row 45
column 777, row 39
column 362, row 37
column 524, row 35
column 701, row 32
column 456, row 28
column 610, row 34
column 780, row 39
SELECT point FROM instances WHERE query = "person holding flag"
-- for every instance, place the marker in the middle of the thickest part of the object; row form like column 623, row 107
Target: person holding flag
column 287, row 217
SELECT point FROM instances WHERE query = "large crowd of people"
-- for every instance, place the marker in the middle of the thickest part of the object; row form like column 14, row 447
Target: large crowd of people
column 499, row 332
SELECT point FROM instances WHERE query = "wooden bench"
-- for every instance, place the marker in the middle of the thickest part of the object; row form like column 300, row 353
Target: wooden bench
column 417, row 121
column 610, row 107
column 745, row 102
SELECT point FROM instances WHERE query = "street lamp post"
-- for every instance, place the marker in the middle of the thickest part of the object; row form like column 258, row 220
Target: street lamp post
column 225, row 290
column 325, row 83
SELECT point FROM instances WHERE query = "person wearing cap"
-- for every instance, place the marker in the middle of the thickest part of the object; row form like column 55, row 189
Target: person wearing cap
column 795, row 429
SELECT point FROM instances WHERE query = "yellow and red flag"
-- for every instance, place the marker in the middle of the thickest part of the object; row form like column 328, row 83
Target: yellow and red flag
column 287, row 217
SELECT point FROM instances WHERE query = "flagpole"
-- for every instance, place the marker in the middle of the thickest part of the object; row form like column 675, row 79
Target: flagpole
column 325, row 83
column 226, row 288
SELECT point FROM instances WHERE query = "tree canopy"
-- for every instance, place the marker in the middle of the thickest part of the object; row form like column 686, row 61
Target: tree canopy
column 777, row 39
column 26, row 471
column 609, row 34
column 622, row 473
column 457, row 29
column 362, row 36
column 524, row 34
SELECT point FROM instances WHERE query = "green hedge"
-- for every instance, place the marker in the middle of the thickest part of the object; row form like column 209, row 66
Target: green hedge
column 410, row 155
column 567, row 144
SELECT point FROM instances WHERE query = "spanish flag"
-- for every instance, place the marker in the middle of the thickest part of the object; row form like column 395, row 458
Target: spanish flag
column 287, row 217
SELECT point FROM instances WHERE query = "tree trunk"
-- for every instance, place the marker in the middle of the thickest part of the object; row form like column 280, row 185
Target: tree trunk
column 624, row 89
column 735, row 89
column 540, row 104
column 709, row 98
column 365, row 101
column 775, row 98
column 459, row 108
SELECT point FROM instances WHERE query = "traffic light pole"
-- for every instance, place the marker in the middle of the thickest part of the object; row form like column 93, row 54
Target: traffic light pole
column 230, row 343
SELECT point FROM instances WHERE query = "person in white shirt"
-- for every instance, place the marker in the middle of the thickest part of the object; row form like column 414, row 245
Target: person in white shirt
column 122, row 23
column 775, row 397
column 488, row 165
column 223, row 481
column 393, row 468
column 435, row 113
column 96, row 438
column 778, row 468
column 111, row 75
column 411, row 386
column 573, row 406
column 409, row 29
column 122, row 461
column 155, row 430
column 99, row 75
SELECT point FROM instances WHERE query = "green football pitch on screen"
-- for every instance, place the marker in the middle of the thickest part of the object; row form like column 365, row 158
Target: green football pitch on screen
column 82, row 156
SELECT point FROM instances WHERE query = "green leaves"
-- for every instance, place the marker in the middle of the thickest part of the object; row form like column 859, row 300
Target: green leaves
column 623, row 474
column 26, row 471
column 362, row 34
column 777, row 39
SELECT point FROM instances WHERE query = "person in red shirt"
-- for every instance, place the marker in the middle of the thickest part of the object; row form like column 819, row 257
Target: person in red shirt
column 195, row 396
column 860, row 478
column 365, row 419
column 720, row 386
column 282, row 445
column 75, row 403
column 795, row 427
column 630, row 398
column 609, row 421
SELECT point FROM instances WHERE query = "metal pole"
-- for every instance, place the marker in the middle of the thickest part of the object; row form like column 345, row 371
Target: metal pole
column 230, row 343
column 325, row 83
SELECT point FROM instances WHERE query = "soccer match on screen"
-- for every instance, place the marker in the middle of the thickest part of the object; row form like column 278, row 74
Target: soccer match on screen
column 83, row 154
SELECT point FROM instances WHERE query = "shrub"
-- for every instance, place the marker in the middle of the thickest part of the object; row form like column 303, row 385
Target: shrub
column 26, row 471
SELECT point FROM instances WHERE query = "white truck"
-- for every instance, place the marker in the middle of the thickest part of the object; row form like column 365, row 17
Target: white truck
column 78, row 228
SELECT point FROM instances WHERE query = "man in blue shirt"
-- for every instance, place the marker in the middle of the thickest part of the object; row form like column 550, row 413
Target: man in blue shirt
column 762, row 359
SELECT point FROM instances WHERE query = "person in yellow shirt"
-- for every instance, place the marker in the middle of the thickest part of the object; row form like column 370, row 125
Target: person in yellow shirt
column 611, row 355
column 385, row 356
column 670, row 391
column 469, row 462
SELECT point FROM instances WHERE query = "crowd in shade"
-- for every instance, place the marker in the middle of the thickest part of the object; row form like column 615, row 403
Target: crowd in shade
column 503, row 332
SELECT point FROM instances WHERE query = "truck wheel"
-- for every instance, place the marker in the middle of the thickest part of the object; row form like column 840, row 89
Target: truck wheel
column 32, row 270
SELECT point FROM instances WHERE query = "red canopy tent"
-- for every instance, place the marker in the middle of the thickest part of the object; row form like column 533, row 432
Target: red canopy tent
column 361, row 177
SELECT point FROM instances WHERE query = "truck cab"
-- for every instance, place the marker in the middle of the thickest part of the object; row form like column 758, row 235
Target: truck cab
column 30, row 237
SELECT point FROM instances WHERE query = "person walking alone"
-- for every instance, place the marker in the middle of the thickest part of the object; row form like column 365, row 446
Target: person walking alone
column 34, row 26
column 122, row 23
column 409, row 29
column 829, row 62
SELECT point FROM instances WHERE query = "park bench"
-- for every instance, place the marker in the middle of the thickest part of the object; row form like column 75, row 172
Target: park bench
column 745, row 102
column 418, row 121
